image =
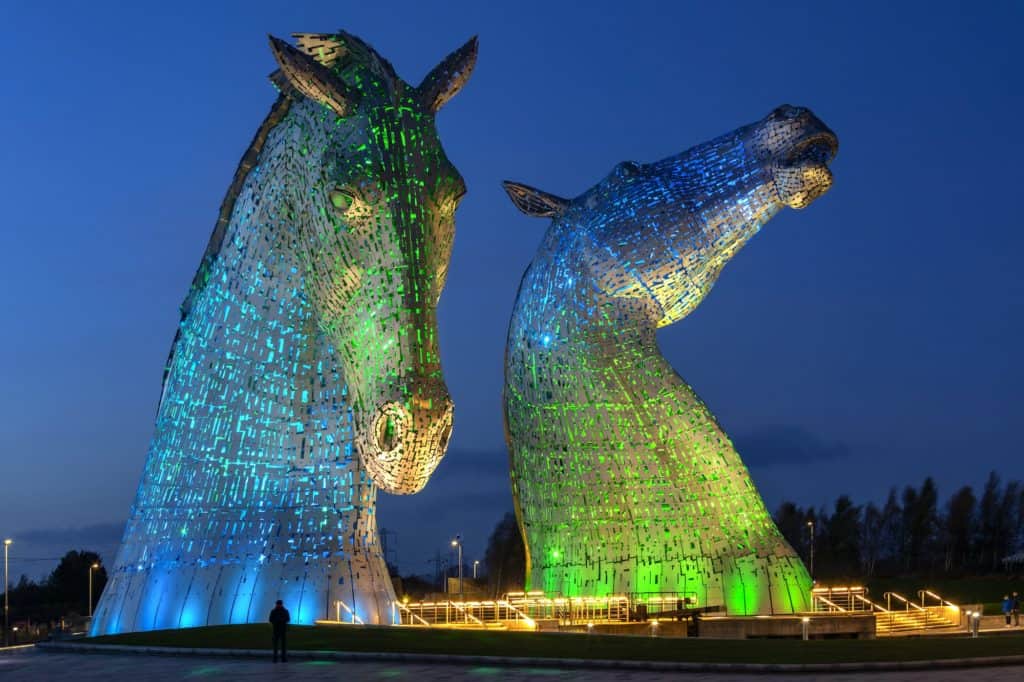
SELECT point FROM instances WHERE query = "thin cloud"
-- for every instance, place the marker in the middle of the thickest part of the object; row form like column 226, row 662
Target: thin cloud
column 786, row 444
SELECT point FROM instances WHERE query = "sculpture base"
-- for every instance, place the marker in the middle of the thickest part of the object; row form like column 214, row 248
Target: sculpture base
column 819, row 626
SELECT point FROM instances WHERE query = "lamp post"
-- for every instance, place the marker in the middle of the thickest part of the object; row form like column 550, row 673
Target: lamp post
column 91, row 569
column 7, row 604
column 475, row 564
column 457, row 542
column 810, row 528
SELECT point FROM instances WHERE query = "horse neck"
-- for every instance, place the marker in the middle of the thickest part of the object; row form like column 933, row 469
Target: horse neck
column 563, row 324
column 255, row 280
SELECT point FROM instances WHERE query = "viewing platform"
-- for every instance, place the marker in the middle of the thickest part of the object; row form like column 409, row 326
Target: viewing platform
column 839, row 612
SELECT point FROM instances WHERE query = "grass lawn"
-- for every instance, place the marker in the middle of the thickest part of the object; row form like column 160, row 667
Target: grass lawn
column 557, row 645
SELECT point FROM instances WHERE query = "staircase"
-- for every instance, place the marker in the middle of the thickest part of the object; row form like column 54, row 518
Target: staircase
column 900, row 615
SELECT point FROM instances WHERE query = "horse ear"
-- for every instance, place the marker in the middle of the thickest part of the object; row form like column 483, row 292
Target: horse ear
column 301, row 73
column 534, row 202
column 448, row 77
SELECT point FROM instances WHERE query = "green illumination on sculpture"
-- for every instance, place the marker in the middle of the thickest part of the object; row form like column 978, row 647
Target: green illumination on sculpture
column 615, row 461
column 305, row 374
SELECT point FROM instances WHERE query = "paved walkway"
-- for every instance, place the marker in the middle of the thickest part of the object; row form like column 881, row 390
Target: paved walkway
column 38, row 665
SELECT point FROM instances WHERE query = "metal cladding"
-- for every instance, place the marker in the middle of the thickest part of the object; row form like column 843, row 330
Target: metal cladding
column 305, row 372
column 623, row 480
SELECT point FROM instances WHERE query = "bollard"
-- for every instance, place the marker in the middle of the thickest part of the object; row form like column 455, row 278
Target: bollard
column 805, row 626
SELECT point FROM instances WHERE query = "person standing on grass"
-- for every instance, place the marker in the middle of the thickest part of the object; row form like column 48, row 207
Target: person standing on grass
column 1015, row 606
column 1007, row 608
column 279, row 619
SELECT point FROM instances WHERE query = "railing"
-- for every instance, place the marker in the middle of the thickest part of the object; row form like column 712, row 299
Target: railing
column 898, row 614
column 924, row 594
column 832, row 606
column 461, row 608
column 571, row 610
column 907, row 604
column 524, row 609
column 919, row 611
column 659, row 602
column 869, row 605
column 520, row 616
column 473, row 614
column 339, row 605
column 908, row 615
column 839, row 599
column 413, row 618
column 946, row 610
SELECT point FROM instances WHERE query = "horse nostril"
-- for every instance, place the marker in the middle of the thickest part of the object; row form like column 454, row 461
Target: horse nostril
column 442, row 443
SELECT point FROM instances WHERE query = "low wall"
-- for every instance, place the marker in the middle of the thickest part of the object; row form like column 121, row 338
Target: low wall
column 664, row 628
column 820, row 626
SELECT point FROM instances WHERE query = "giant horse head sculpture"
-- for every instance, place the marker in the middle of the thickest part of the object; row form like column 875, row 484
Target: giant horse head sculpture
column 663, row 231
column 305, row 372
column 623, row 480
column 377, row 209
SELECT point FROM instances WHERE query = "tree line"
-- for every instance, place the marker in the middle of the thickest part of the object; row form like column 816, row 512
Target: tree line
column 911, row 533
column 63, row 593
column 505, row 557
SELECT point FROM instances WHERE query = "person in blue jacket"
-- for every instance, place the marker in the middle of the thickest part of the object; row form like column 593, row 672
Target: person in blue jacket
column 1007, row 608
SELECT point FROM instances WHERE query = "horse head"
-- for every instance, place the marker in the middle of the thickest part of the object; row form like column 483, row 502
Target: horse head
column 662, row 232
column 373, row 231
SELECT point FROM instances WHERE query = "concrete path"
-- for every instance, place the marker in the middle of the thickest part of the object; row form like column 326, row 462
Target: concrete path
column 38, row 665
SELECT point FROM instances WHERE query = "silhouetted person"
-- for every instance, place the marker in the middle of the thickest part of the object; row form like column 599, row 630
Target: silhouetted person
column 279, row 619
column 1015, row 605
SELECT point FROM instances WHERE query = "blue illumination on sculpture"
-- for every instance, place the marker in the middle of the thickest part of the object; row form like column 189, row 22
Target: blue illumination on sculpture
column 305, row 373
column 623, row 480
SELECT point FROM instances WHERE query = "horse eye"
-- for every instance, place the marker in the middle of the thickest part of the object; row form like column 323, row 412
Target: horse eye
column 340, row 199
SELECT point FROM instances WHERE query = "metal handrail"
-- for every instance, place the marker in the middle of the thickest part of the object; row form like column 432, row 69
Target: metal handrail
column 844, row 598
column 942, row 602
column 459, row 607
column 903, row 599
column 338, row 605
column 519, row 614
column 872, row 606
column 403, row 607
column 829, row 603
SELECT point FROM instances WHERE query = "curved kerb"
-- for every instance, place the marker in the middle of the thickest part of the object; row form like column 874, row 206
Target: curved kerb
column 515, row 661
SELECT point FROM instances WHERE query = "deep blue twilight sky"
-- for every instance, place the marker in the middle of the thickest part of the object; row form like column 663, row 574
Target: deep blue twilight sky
column 869, row 341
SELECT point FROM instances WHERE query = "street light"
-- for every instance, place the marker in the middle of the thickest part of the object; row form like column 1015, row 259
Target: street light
column 457, row 542
column 91, row 569
column 7, row 603
column 475, row 564
column 810, row 526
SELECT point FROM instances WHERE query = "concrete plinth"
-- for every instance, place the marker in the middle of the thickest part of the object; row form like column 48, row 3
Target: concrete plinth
column 648, row 629
column 820, row 626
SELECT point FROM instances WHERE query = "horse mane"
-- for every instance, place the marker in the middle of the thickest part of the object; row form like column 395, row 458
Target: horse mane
column 353, row 60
